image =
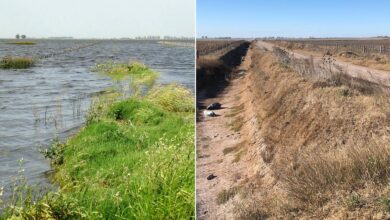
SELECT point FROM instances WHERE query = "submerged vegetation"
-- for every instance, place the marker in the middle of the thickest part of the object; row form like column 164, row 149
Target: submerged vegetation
column 22, row 43
column 16, row 62
column 138, row 72
column 133, row 160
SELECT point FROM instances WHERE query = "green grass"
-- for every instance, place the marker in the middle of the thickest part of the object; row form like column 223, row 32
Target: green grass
column 354, row 201
column 133, row 160
column 138, row 72
column 173, row 98
column 16, row 62
column 22, row 43
column 385, row 203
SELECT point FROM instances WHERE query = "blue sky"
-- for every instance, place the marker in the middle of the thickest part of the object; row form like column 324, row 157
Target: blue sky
column 97, row 18
column 293, row 18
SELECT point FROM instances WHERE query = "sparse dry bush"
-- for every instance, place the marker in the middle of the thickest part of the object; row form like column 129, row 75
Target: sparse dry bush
column 369, row 53
column 325, row 74
column 311, row 177
column 282, row 55
column 251, row 210
column 227, row 194
column 330, row 144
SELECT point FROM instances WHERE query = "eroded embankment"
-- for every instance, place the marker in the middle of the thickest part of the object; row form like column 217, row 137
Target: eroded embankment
column 290, row 145
column 322, row 148
column 214, row 71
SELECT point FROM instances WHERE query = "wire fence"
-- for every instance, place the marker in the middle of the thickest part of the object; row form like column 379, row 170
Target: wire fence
column 212, row 46
column 356, row 46
column 66, row 50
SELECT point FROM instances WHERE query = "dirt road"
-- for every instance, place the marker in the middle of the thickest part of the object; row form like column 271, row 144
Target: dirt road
column 222, row 150
column 373, row 75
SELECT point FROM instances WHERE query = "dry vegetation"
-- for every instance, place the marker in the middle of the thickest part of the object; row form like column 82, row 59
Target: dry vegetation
column 226, row 194
column 205, row 47
column 369, row 53
column 22, row 43
column 209, row 71
column 215, row 68
column 322, row 143
column 325, row 74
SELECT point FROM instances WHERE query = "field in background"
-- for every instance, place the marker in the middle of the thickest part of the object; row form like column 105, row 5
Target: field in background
column 363, row 46
column 205, row 47
column 373, row 53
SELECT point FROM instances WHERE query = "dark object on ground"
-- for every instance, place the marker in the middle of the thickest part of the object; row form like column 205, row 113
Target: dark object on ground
column 214, row 106
column 211, row 176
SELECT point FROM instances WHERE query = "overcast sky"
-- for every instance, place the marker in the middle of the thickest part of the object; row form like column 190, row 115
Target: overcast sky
column 97, row 18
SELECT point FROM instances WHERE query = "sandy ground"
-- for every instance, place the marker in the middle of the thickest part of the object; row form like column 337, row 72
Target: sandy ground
column 373, row 75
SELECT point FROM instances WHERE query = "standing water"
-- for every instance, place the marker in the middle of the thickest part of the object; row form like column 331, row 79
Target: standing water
column 51, row 99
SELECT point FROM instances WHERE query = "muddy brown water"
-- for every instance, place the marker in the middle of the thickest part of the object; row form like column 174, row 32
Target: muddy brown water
column 51, row 99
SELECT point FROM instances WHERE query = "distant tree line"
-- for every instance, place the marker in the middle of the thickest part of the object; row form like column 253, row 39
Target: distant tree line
column 18, row 36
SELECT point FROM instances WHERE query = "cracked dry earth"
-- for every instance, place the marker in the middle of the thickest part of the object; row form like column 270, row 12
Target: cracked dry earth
column 223, row 157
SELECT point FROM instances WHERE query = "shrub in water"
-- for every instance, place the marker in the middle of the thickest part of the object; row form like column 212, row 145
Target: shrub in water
column 16, row 62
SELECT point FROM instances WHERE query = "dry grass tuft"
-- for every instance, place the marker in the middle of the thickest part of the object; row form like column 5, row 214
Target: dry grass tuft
column 238, row 155
column 229, row 150
column 310, row 177
column 237, row 124
column 227, row 194
column 251, row 210
column 236, row 110
column 234, row 148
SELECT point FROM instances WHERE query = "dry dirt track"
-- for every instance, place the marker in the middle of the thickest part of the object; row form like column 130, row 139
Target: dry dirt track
column 376, row 76
column 214, row 135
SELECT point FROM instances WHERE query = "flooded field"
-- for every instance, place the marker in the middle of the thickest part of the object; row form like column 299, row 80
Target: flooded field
column 51, row 99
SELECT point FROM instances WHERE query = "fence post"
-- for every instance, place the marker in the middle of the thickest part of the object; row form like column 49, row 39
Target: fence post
column 382, row 49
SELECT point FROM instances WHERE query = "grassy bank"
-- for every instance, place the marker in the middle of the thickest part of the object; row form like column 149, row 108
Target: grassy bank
column 16, row 62
column 133, row 160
